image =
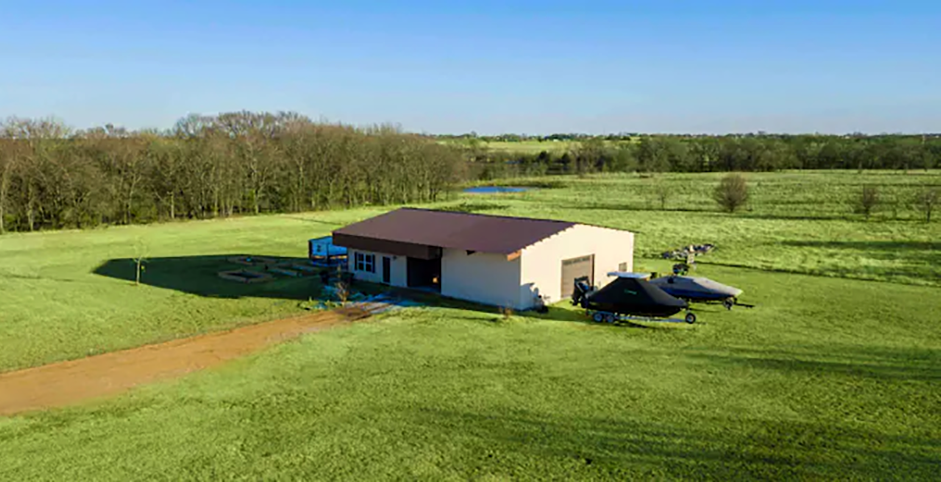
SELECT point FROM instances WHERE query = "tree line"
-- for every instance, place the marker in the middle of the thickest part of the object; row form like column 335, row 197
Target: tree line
column 714, row 154
column 52, row 177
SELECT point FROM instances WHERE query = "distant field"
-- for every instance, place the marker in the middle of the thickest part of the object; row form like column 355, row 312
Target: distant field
column 530, row 147
column 833, row 375
column 800, row 222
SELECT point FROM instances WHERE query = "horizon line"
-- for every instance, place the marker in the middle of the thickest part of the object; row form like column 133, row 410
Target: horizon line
column 322, row 120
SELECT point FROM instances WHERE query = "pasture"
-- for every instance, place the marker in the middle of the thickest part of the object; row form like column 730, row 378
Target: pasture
column 530, row 147
column 833, row 375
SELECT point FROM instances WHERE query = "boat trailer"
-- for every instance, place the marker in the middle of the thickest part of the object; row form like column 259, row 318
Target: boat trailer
column 609, row 317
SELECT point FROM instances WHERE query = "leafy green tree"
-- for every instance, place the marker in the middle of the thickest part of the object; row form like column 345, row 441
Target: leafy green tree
column 663, row 191
column 868, row 199
column 732, row 192
column 926, row 200
column 652, row 156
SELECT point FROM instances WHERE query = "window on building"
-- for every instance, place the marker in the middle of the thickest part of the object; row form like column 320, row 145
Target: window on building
column 365, row 262
column 622, row 267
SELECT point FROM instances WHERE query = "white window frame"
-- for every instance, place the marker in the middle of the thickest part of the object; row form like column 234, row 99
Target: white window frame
column 364, row 262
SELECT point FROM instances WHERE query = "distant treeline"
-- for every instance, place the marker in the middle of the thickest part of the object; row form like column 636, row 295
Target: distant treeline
column 533, row 138
column 233, row 163
column 710, row 154
column 245, row 162
column 629, row 136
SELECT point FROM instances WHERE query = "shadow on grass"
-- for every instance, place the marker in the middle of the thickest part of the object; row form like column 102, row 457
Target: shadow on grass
column 711, row 211
column 907, row 263
column 315, row 221
column 739, row 449
column 561, row 311
column 558, row 312
column 893, row 247
column 9, row 275
column 199, row 275
column 523, row 182
column 831, row 363
column 600, row 206
column 914, row 259
column 796, row 217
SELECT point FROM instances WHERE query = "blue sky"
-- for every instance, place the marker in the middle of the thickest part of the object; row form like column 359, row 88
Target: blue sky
column 532, row 67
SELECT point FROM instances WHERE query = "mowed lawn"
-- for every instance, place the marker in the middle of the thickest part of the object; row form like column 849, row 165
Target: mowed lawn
column 832, row 376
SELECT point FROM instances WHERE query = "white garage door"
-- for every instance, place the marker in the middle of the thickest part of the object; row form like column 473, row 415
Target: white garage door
column 574, row 268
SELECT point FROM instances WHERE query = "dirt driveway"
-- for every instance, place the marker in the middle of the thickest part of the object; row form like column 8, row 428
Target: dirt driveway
column 74, row 381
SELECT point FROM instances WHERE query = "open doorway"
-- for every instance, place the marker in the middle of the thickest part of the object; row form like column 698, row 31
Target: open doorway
column 424, row 273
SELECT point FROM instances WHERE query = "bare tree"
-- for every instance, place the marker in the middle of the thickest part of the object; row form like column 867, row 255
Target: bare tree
column 123, row 162
column 34, row 129
column 41, row 137
column 210, row 166
column 10, row 153
column 165, row 172
column 193, row 125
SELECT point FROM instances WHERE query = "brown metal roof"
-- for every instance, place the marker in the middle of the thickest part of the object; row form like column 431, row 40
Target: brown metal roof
column 446, row 229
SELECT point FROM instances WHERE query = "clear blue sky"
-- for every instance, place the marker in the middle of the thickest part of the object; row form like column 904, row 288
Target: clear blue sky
column 490, row 66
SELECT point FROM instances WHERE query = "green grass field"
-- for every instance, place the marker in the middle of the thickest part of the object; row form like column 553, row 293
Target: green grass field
column 530, row 146
column 833, row 376
column 795, row 222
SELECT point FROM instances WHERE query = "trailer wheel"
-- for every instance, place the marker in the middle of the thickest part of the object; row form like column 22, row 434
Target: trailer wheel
column 727, row 304
column 598, row 317
column 609, row 318
column 691, row 318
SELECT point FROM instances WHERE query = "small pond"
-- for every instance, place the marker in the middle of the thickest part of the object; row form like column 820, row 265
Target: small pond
column 494, row 189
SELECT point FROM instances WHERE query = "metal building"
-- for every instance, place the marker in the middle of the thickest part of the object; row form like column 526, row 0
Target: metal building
column 496, row 260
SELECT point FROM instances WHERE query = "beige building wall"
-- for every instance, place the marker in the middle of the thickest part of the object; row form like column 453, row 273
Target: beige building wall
column 491, row 279
column 481, row 277
column 542, row 262
column 398, row 273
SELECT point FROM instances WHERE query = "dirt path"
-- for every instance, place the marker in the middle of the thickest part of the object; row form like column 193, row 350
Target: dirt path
column 98, row 376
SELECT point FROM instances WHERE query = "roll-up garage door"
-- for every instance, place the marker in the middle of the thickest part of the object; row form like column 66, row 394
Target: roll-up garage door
column 575, row 268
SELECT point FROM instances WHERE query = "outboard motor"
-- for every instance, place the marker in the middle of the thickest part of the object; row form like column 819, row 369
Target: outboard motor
column 580, row 293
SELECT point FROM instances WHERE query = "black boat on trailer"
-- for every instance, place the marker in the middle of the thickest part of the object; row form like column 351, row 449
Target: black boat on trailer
column 630, row 297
